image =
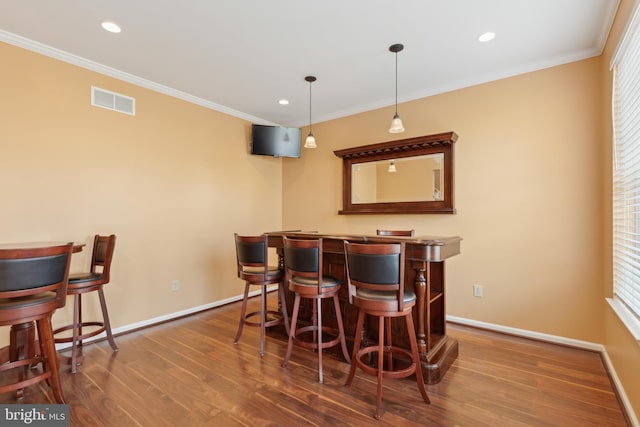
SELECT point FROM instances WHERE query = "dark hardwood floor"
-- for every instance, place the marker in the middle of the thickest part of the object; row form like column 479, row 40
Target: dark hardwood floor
column 188, row 373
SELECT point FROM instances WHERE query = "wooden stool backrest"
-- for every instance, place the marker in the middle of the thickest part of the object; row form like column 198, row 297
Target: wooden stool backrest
column 31, row 272
column 251, row 251
column 103, row 247
column 303, row 258
column 378, row 267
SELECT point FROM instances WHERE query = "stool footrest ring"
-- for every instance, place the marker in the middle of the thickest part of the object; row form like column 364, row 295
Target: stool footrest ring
column 276, row 318
column 25, row 383
column 84, row 336
column 314, row 344
column 396, row 373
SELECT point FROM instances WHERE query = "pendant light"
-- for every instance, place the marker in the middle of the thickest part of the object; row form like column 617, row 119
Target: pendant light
column 396, row 123
column 392, row 167
column 310, row 142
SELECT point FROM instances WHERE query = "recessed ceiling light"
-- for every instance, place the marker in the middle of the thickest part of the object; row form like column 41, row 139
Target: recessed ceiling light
column 486, row 37
column 112, row 27
column 283, row 102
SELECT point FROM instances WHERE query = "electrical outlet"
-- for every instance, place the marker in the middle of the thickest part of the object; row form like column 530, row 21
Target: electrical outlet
column 477, row 291
column 175, row 285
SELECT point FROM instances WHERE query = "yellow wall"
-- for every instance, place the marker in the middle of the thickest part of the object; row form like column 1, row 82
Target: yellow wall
column 528, row 208
column 532, row 183
column 173, row 182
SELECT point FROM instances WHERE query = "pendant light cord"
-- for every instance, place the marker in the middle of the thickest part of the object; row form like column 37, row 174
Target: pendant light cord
column 396, row 83
column 310, row 105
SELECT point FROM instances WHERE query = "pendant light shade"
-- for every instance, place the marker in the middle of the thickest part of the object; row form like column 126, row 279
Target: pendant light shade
column 396, row 123
column 392, row 167
column 310, row 142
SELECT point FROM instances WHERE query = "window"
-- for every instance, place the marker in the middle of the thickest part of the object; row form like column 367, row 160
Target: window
column 626, row 178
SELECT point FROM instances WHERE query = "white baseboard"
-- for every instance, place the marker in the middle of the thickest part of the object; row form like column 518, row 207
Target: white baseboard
column 563, row 341
column 528, row 334
column 164, row 318
column 620, row 390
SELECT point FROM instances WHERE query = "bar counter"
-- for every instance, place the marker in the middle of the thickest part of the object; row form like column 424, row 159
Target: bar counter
column 425, row 275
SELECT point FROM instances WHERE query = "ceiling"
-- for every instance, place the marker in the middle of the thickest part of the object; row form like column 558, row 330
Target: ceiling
column 242, row 56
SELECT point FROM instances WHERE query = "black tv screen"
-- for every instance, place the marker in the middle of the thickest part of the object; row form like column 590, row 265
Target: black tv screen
column 277, row 141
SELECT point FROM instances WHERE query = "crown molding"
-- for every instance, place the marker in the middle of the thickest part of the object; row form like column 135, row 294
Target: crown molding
column 78, row 61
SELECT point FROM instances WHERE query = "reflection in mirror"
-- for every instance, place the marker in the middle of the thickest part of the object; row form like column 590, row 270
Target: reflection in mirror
column 390, row 181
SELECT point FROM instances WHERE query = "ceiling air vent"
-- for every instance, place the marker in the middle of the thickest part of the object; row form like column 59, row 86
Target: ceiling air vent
column 112, row 101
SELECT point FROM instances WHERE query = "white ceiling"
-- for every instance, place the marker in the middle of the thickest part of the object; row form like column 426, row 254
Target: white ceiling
column 242, row 56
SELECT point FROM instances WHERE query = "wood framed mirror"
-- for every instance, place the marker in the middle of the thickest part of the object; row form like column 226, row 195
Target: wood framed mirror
column 413, row 175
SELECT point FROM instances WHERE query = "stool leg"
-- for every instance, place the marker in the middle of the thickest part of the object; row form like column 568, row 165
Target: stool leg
column 77, row 329
column 263, row 315
column 50, row 357
column 416, row 357
column 389, row 343
column 292, row 330
column 343, row 341
column 319, row 325
column 79, row 320
column 381, row 323
column 21, row 341
column 356, row 347
column 314, row 319
column 243, row 312
column 283, row 307
column 105, row 319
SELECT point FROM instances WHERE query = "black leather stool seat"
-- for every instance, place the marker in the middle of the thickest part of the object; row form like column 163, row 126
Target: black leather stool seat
column 84, row 277
column 33, row 285
column 86, row 282
column 375, row 273
column 252, row 264
column 304, row 277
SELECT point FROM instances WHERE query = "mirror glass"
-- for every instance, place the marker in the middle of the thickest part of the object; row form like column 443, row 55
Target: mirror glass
column 393, row 180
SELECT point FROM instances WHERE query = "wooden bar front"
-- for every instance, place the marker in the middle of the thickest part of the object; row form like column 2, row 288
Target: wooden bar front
column 424, row 274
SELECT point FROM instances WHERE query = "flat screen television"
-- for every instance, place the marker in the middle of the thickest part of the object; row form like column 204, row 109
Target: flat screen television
column 276, row 141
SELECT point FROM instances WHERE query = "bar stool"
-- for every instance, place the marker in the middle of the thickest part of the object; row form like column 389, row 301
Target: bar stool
column 404, row 233
column 252, row 256
column 304, row 276
column 82, row 283
column 33, row 284
column 375, row 274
